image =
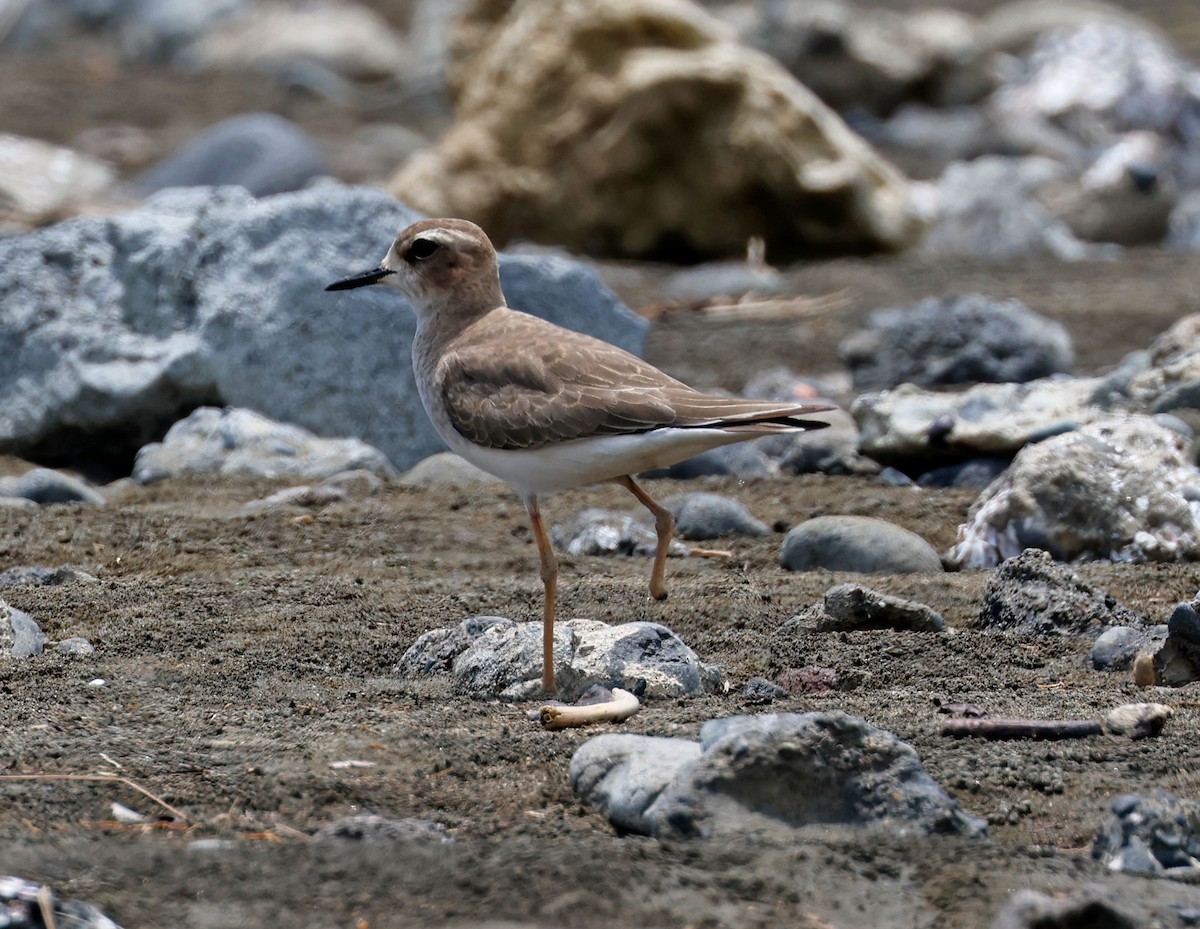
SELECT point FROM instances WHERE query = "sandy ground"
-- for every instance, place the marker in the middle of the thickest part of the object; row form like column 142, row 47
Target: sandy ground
column 246, row 655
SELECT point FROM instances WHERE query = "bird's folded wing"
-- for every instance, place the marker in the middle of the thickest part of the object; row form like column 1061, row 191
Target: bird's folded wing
column 555, row 390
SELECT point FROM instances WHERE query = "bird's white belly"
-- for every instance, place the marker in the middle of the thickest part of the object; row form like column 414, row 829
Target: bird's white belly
column 577, row 462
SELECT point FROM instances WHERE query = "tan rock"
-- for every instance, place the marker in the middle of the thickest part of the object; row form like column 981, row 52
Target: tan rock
column 643, row 128
column 42, row 183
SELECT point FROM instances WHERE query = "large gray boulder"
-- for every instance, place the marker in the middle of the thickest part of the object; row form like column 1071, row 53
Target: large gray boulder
column 115, row 326
column 755, row 774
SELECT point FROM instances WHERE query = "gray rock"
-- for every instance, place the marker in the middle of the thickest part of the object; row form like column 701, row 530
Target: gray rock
column 852, row 606
column 626, row 774
column 76, row 646
column 955, row 340
column 434, row 651
column 1032, row 909
column 760, row 690
column 119, row 323
column 743, row 460
column 1030, row 593
column 242, row 443
column 607, row 532
column 500, row 658
column 1118, row 646
column 20, row 635
column 1177, row 662
column 1171, row 378
column 1147, row 84
column 1158, row 834
column 41, row 485
column 701, row 516
column 976, row 474
column 39, row 576
column 264, row 153
column 446, row 469
column 857, row 543
column 988, row 208
column 26, row 904
column 705, row 282
column 914, row 426
column 751, row 774
column 1118, row 489
column 371, row 827
column 866, row 57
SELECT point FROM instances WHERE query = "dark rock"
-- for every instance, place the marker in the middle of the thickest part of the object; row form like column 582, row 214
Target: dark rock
column 1177, row 662
column 1032, row 909
column 760, row 690
column 1033, row 594
column 264, row 153
column 1118, row 646
column 39, row 576
column 766, row 773
column 852, row 606
column 711, row 516
column 1158, row 834
column 976, row 474
column 857, row 543
column 743, row 460
column 955, row 340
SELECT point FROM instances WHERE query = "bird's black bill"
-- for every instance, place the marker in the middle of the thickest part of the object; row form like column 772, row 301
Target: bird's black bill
column 360, row 280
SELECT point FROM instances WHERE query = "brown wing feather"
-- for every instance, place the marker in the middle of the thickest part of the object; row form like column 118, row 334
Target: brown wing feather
column 559, row 386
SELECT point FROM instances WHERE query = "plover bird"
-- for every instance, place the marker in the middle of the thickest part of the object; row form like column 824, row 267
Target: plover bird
column 545, row 408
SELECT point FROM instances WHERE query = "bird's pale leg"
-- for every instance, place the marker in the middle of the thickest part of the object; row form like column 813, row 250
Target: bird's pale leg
column 664, row 525
column 550, row 583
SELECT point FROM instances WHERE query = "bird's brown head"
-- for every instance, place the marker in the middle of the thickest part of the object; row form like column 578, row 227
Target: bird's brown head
column 441, row 265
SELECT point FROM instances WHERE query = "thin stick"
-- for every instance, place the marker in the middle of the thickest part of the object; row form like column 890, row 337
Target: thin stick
column 1022, row 728
column 98, row 777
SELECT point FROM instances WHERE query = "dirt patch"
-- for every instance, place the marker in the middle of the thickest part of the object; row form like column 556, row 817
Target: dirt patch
column 245, row 655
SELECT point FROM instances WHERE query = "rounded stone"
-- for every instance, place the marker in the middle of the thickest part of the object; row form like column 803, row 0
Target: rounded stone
column 861, row 544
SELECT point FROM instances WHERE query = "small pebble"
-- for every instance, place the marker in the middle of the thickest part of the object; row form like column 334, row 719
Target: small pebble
column 77, row 646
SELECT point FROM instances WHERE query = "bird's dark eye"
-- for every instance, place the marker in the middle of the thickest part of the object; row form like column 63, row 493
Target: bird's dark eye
column 421, row 249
